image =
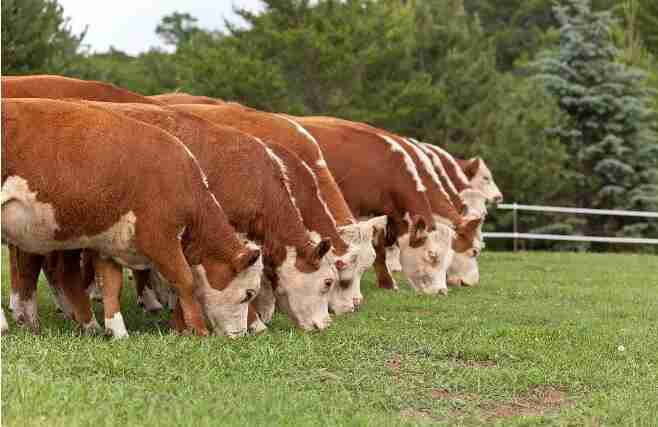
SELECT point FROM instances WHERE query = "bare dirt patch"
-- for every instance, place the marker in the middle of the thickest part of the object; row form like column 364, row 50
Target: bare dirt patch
column 394, row 363
column 536, row 402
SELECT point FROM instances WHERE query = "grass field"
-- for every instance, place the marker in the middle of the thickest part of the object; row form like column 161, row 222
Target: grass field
column 548, row 339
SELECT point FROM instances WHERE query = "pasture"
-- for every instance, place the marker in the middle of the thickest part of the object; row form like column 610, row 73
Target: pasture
column 547, row 339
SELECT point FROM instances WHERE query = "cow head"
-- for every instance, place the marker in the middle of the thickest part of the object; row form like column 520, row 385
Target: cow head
column 302, row 283
column 425, row 255
column 482, row 179
column 346, row 296
column 464, row 268
column 225, row 290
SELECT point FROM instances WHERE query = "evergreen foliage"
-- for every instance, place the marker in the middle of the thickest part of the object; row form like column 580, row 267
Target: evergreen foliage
column 609, row 134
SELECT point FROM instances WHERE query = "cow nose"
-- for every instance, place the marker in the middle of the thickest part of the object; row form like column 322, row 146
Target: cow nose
column 357, row 302
column 328, row 283
column 251, row 293
column 498, row 198
column 475, row 252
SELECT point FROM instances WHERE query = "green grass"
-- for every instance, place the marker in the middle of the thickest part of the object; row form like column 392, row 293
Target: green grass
column 540, row 323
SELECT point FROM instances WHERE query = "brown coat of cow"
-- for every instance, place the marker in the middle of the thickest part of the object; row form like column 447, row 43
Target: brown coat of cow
column 184, row 98
column 60, row 87
column 250, row 186
column 79, row 177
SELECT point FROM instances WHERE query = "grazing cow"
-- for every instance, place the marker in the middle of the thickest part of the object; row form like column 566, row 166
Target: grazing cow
column 76, row 177
column 278, row 130
column 445, row 212
column 464, row 268
column 184, row 98
column 259, row 198
column 60, row 87
column 393, row 188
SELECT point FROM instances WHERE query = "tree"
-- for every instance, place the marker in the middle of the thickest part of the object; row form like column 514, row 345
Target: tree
column 609, row 133
column 36, row 37
column 177, row 28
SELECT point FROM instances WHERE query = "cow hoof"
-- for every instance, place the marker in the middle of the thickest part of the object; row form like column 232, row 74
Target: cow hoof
column 91, row 328
column 443, row 291
column 389, row 284
column 115, row 326
column 149, row 301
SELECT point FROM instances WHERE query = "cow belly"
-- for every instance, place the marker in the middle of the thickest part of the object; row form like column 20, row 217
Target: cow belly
column 32, row 228
column 29, row 227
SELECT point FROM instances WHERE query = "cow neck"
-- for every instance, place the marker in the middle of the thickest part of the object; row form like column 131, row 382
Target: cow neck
column 210, row 235
column 281, row 220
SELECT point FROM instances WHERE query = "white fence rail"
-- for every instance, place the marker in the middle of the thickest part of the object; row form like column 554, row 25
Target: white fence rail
column 571, row 238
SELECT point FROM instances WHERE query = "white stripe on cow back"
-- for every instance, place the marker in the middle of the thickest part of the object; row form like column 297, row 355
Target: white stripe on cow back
column 424, row 160
column 284, row 172
column 408, row 161
column 319, row 194
column 460, row 173
column 436, row 160
column 320, row 162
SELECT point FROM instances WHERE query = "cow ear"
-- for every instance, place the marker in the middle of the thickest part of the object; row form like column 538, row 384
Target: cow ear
column 468, row 227
column 472, row 167
column 321, row 249
column 418, row 232
column 246, row 259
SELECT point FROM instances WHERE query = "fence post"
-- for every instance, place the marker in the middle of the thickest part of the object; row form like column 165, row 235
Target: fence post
column 514, row 219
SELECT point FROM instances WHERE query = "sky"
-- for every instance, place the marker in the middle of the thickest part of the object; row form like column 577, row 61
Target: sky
column 129, row 25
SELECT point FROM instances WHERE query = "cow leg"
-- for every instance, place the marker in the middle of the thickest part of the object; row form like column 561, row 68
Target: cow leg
column 255, row 325
column 384, row 278
column 71, row 283
column 4, row 326
column 13, row 277
column 168, row 258
column 145, row 295
column 177, row 321
column 109, row 277
column 265, row 302
column 49, row 269
column 28, row 267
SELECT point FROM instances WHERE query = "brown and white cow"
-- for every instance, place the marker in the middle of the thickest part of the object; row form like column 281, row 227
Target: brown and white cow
column 464, row 269
column 184, row 98
column 261, row 199
column 445, row 212
column 283, row 131
column 78, row 177
column 390, row 189
column 60, row 87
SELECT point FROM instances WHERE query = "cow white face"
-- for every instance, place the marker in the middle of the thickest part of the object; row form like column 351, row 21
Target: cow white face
column 226, row 309
column 305, row 296
column 425, row 264
column 346, row 296
column 483, row 181
column 464, row 268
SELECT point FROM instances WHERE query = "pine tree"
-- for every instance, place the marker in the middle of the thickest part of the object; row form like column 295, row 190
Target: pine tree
column 609, row 132
column 37, row 37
